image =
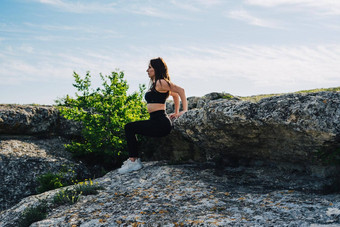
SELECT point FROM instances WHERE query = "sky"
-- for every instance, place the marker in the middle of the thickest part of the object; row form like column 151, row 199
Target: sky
column 241, row 47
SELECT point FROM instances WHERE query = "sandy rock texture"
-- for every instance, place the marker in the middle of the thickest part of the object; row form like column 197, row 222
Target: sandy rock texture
column 43, row 121
column 23, row 159
column 192, row 195
column 291, row 128
column 247, row 164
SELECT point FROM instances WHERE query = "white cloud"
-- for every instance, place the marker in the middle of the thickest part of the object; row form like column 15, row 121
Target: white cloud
column 195, row 5
column 317, row 6
column 209, row 2
column 190, row 6
column 240, row 70
column 26, row 48
column 250, row 19
column 334, row 27
column 83, row 29
column 249, row 70
column 162, row 11
column 149, row 11
column 13, row 28
column 36, row 32
column 81, row 6
column 49, row 27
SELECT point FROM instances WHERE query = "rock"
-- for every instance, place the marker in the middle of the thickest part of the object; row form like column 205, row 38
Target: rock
column 289, row 130
column 256, row 166
column 23, row 159
column 199, row 102
column 191, row 195
column 35, row 120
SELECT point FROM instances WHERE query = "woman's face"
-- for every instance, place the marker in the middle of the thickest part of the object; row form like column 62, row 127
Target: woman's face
column 151, row 72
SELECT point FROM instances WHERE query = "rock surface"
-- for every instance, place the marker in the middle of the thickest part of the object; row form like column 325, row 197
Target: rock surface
column 199, row 102
column 192, row 195
column 35, row 120
column 261, row 152
column 290, row 128
column 23, row 159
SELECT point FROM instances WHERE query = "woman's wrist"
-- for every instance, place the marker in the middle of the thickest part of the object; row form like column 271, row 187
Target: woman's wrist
column 182, row 112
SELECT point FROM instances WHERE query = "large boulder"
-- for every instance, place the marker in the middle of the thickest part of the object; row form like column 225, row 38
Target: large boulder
column 291, row 128
column 35, row 120
column 24, row 159
column 32, row 139
column 190, row 195
column 199, row 102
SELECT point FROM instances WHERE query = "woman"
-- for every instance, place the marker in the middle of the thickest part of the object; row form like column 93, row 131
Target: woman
column 159, row 123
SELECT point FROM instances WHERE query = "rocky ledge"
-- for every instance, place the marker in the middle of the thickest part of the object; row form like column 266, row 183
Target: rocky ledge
column 291, row 130
column 161, row 194
column 257, row 164
column 23, row 159
column 37, row 120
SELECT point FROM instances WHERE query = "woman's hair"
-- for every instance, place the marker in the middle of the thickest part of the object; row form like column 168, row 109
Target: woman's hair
column 161, row 71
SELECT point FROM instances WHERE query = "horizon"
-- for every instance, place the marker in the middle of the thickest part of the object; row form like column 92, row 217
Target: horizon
column 245, row 48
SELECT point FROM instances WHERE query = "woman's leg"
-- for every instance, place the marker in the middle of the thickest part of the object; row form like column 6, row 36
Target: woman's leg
column 153, row 128
column 131, row 129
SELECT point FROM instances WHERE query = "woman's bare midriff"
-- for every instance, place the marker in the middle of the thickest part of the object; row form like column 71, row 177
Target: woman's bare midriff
column 152, row 107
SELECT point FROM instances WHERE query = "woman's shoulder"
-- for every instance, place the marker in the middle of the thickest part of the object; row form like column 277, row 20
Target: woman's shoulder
column 163, row 82
column 162, row 86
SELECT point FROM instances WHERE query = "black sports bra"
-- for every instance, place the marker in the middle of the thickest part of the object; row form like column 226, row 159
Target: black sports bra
column 154, row 96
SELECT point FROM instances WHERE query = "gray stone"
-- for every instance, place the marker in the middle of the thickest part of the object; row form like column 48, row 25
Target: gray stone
column 290, row 129
column 263, row 153
column 192, row 195
column 199, row 102
column 36, row 120
column 23, row 159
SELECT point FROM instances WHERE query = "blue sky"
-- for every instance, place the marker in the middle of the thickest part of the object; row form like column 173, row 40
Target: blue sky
column 243, row 47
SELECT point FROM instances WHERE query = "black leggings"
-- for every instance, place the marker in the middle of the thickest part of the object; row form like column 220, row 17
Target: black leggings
column 158, row 125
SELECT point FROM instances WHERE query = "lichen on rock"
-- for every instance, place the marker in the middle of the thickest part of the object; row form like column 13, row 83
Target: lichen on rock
column 229, row 162
column 191, row 195
column 291, row 128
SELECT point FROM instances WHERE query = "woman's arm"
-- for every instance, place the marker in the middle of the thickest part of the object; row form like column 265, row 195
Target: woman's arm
column 164, row 86
column 176, row 101
column 181, row 92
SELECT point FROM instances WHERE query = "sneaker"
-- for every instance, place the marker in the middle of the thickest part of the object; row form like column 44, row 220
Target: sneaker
column 129, row 166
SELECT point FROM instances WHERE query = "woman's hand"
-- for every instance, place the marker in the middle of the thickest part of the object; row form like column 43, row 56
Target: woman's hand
column 173, row 116
column 176, row 115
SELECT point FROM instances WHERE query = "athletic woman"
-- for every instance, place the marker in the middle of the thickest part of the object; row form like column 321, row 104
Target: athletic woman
column 159, row 123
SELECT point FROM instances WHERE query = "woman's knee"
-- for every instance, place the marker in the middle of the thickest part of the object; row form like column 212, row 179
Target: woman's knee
column 128, row 127
column 132, row 127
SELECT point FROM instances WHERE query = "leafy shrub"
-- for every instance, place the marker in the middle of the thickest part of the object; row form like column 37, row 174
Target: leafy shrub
column 50, row 181
column 88, row 188
column 103, row 112
column 33, row 214
column 71, row 196
column 66, row 197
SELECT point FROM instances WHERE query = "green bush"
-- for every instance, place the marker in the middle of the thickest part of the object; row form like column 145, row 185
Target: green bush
column 50, row 181
column 66, row 197
column 103, row 112
column 33, row 214
column 71, row 196
column 88, row 188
